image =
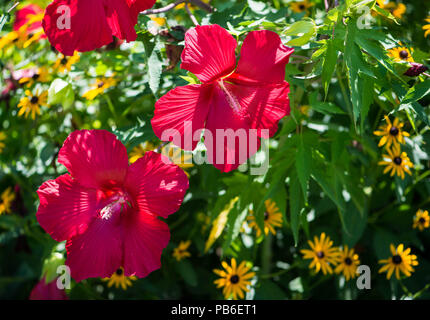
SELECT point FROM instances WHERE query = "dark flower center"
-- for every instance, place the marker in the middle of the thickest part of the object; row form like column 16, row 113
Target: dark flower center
column 119, row 272
column 422, row 220
column 302, row 7
column 320, row 254
column 397, row 160
column 101, row 84
column 35, row 76
column 34, row 100
column 397, row 259
column 63, row 61
column 348, row 261
column 394, row 131
column 403, row 54
column 266, row 215
column 234, row 279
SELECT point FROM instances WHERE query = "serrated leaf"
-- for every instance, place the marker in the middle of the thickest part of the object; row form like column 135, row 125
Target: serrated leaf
column 329, row 65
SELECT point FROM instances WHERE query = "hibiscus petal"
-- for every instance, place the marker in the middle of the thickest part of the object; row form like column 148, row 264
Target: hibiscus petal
column 157, row 186
column 145, row 237
column 66, row 208
column 228, row 138
column 88, row 26
column 97, row 252
column 96, row 158
column 266, row 105
column 209, row 52
column 140, row 5
column 121, row 19
column 263, row 57
column 180, row 113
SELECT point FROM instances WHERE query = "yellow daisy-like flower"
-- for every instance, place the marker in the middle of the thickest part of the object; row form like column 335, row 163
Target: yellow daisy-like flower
column 400, row 54
column 16, row 38
column 427, row 27
column 41, row 75
column 32, row 37
column 181, row 159
column 300, row 6
column 348, row 263
column 64, row 63
column 6, row 199
column 2, row 139
column 32, row 103
column 99, row 87
column 137, row 152
column 401, row 260
column 421, row 220
column 234, row 279
column 322, row 253
column 119, row 279
column 391, row 133
column 181, row 251
column 397, row 10
column 272, row 219
column 396, row 161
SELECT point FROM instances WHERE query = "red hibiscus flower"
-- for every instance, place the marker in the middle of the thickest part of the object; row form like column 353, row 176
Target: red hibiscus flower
column 107, row 210
column 240, row 100
column 92, row 22
column 47, row 291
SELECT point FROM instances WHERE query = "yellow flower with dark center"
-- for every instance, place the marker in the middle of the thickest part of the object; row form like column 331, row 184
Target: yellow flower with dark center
column 16, row 38
column 181, row 159
column 32, row 37
column 322, row 253
column 425, row 27
column 181, row 252
column 191, row 6
column 32, row 103
column 234, row 279
column 396, row 161
column 300, row 6
column 41, row 75
column 401, row 260
column 391, row 133
column 400, row 54
column 421, row 220
column 64, row 63
column 272, row 219
column 138, row 152
column 99, row 87
column 6, row 199
column 119, row 279
column 397, row 10
column 2, row 139
column 348, row 263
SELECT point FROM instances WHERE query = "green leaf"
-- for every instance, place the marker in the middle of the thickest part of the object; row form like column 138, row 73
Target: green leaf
column 296, row 204
column 329, row 65
column 326, row 108
column 186, row 270
column 61, row 92
column 303, row 165
column 305, row 29
column 354, row 225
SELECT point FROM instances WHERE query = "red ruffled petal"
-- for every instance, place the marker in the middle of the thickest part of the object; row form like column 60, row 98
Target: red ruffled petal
column 145, row 237
column 47, row 291
column 156, row 185
column 209, row 52
column 92, row 23
column 228, row 138
column 97, row 252
column 180, row 113
column 95, row 158
column 265, row 105
column 262, row 58
column 66, row 208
